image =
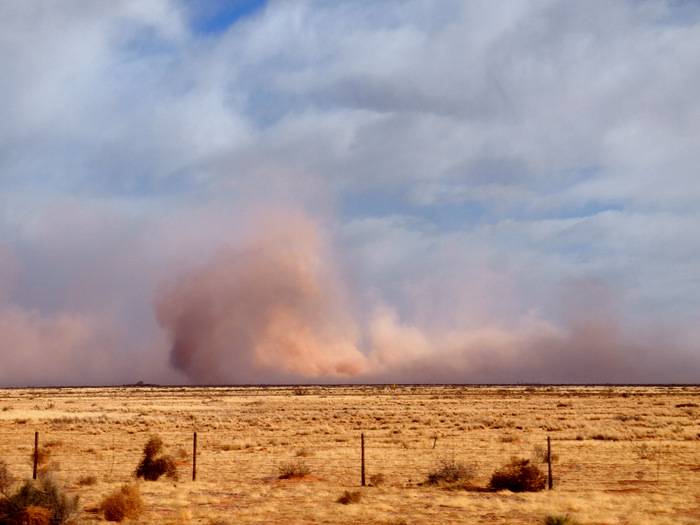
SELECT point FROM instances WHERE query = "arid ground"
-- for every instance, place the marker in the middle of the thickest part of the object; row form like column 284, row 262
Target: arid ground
column 621, row 455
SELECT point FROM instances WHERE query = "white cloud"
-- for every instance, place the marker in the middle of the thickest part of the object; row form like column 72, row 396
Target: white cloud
column 466, row 162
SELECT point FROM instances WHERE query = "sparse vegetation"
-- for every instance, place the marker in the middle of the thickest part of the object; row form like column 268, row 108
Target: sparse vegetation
column 349, row 496
column 249, row 432
column 126, row 503
column 294, row 469
column 43, row 455
column 519, row 476
column 450, row 472
column 644, row 451
column 377, row 480
column 87, row 481
column 153, row 465
column 540, row 454
column 41, row 502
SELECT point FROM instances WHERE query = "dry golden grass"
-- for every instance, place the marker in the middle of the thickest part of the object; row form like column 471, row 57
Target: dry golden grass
column 623, row 455
column 125, row 503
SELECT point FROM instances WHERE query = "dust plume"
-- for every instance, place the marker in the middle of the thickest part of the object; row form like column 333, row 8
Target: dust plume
column 268, row 310
column 274, row 309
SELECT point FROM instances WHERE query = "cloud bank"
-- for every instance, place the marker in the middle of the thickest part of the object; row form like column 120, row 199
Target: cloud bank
column 305, row 191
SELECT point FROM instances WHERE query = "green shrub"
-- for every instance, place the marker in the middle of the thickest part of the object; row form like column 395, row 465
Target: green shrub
column 519, row 476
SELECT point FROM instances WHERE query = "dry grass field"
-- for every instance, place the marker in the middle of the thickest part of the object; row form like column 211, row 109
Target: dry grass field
column 621, row 455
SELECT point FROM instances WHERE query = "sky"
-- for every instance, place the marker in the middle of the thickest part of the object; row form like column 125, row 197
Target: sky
column 392, row 191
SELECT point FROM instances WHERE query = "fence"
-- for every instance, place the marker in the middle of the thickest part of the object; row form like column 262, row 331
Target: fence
column 401, row 459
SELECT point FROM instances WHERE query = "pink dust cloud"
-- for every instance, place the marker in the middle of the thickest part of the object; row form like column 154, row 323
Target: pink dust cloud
column 268, row 310
column 273, row 309
column 44, row 350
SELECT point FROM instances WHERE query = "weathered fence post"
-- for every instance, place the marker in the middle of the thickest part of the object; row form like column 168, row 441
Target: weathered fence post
column 194, row 458
column 36, row 452
column 549, row 462
column 363, row 459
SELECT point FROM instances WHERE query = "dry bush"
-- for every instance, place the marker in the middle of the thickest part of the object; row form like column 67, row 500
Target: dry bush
column 450, row 472
column 46, row 494
column 541, row 455
column 377, row 480
column 151, row 467
column 644, row 451
column 33, row 515
column 294, row 469
column 153, row 447
column 348, row 497
column 519, row 476
column 86, row 481
column 43, row 454
column 122, row 504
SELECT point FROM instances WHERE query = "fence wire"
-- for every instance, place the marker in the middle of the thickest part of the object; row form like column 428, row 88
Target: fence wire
column 401, row 459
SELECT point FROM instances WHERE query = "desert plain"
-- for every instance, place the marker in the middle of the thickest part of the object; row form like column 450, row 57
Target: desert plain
column 620, row 454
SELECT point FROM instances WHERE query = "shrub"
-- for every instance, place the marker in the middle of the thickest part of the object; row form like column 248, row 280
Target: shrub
column 450, row 472
column 21, row 507
column 519, row 476
column 349, row 497
column 34, row 516
column 151, row 467
column 541, row 455
column 43, row 455
column 153, row 447
column 377, row 480
column 124, row 503
column 294, row 469
column 87, row 481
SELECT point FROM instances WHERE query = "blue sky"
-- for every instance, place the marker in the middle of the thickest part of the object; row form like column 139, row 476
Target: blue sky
column 352, row 191
column 216, row 16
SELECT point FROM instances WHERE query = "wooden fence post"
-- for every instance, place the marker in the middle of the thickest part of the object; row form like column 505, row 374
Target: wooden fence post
column 549, row 462
column 194, row 458
column 363, row 459
column 36, row 452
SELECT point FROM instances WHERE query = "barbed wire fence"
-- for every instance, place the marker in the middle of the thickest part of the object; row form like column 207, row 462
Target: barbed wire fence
column 400, row 459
